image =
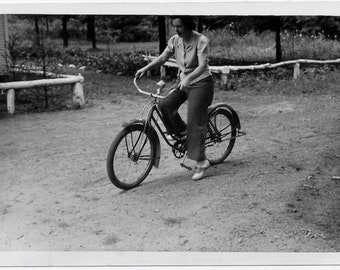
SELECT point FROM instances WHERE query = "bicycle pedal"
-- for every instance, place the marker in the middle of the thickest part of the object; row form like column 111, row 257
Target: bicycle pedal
column 185, row 166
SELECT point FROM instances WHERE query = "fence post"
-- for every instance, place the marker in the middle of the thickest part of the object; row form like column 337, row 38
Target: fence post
column 163, row 71
column 224, row 77
column 11, row 101
column 78, row 92
column 296, row 71
column 148, row 73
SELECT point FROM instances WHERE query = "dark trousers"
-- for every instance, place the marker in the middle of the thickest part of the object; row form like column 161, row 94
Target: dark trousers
column 199, row 96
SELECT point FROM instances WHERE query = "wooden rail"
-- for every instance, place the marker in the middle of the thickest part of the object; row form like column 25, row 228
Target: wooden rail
column 225, row 70
column 75, row 81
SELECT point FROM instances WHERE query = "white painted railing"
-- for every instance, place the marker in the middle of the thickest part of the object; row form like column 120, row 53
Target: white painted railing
column 225, row 70
column 75, row 81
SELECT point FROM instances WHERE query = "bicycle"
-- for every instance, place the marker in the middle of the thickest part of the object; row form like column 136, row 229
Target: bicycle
column 136, row 148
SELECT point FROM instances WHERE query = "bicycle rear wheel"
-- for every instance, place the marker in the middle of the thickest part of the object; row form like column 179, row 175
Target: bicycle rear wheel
column 131, row 157
column 221, row 136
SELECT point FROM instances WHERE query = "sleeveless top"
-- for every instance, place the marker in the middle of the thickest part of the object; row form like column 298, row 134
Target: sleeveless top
column 187, row 58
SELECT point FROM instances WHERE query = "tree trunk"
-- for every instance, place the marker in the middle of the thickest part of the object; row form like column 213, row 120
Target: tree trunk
column 88, row 28
column 161, row 33
column 200, row 24
column 277, row 23
column 41, row 48
column 37, row 31
column 65, row 19
column 36, row 21
column 47, row 24
column 91, row 33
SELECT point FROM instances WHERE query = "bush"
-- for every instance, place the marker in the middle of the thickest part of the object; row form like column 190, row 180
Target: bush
column 136, row 34
column 113, row 63
column 123, row 63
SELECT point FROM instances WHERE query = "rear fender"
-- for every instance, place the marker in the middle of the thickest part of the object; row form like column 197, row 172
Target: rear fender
column 153, row 136
column 227, row 107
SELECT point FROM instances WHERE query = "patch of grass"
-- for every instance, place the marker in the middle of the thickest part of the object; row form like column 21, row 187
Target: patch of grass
column 318, row 81
column 321, row 81
column 102, row 86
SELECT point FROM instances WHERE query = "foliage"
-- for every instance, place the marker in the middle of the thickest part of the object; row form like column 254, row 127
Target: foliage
column 14, row 55
column 300, row 45
column 309, row 25
column 137, row 33
column 123, row 63
column 230, row 43
column 236, row 42
column 229, row 48
column 249, row 49
column 108, row 27
column 328, row 26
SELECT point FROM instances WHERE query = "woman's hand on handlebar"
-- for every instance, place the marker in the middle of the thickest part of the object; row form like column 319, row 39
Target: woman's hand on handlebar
column 140, row 73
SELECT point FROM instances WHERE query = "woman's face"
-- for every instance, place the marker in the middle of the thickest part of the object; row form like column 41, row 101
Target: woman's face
column 179, row 27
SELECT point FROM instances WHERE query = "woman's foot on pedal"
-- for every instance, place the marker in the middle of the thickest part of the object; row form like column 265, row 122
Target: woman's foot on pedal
column 173, row 137
column 201, row 167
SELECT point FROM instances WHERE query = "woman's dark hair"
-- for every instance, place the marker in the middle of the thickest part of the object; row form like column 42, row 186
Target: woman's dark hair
column 188, row 21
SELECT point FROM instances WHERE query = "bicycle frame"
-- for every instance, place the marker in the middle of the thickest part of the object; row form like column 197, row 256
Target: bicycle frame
column 212, row 108
column 152, row 122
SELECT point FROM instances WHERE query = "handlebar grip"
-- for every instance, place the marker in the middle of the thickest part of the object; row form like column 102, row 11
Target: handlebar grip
column 161, row 84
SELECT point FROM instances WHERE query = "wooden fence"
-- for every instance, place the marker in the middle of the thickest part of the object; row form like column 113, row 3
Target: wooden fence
column 75, row 81
column 225, row 70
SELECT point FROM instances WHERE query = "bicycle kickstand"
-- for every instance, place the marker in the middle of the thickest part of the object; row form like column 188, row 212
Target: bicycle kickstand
column 182, row 163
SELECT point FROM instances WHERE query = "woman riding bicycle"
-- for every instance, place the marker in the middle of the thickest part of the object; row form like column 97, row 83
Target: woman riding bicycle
column 196, row 85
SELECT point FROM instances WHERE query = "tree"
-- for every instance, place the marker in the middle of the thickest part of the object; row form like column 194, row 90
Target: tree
column 273, row 23
column 40, row 43
column 277, row 29
column 91, row 32
column 65, row 19
column 36, row 24
column 161, row 33
column 47, row 24
column 200, row 24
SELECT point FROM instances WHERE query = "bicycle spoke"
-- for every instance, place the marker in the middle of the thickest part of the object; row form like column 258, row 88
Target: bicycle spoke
column 127, row 146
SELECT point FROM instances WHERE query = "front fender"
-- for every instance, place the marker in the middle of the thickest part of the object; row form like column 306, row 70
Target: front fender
column 133, row 121
column 153, row 137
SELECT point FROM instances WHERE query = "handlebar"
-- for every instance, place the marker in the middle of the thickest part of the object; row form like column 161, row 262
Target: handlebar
column 161, row 85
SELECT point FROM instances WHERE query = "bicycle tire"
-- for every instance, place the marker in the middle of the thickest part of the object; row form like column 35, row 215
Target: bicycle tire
column 221, row 135
column 123, row 159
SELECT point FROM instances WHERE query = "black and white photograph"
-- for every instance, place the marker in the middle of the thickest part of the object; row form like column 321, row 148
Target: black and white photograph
column 207, row 136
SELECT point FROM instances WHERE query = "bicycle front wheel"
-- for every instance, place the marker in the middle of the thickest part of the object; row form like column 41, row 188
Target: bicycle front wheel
column 221, row 136
column 131, row 157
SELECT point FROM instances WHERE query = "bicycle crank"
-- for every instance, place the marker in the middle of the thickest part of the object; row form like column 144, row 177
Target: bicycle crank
column 179, row 149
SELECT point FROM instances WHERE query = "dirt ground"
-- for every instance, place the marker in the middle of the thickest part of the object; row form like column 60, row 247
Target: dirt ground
column 274, row 193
